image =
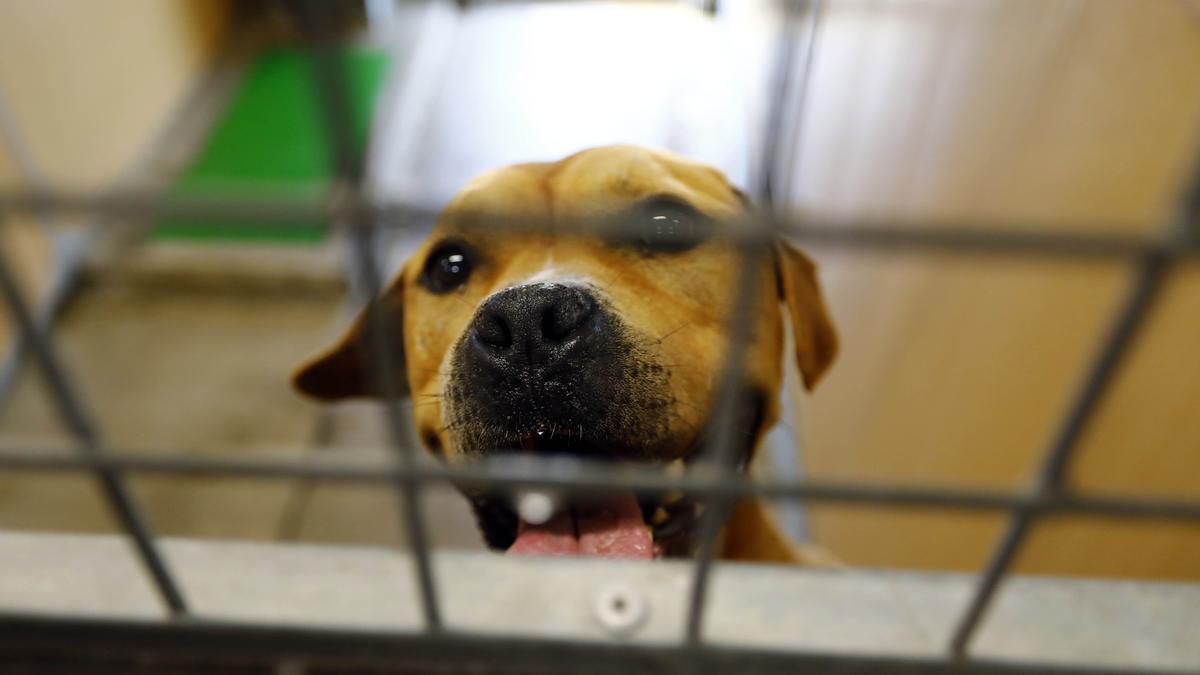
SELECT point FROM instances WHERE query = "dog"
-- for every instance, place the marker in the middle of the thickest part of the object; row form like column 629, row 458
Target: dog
column 551, row 341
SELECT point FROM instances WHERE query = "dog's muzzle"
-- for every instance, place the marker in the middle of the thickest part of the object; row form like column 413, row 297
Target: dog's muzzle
column 551, row 369
column 547, row 362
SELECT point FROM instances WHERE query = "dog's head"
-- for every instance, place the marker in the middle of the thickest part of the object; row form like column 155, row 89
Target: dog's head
column 548, row 341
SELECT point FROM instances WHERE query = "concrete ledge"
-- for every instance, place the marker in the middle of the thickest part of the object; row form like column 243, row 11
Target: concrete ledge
column 1102, row 623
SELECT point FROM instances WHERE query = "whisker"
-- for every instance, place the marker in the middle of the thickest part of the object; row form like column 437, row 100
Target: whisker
column 673, row 331
column 615, row 279
column 464, row 303
column 688, row 424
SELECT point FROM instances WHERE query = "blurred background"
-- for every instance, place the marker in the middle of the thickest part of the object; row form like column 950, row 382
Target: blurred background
column 1042, row 115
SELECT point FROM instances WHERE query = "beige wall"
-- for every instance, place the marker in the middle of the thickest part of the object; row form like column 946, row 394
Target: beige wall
column 955, row 370
column 88, row 84
column 88, row 81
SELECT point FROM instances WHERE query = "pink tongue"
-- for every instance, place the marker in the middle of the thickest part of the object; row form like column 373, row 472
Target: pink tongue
column 555, row 537
column 612, row 528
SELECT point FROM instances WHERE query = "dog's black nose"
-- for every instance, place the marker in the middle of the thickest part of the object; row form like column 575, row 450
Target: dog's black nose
column 535, row 324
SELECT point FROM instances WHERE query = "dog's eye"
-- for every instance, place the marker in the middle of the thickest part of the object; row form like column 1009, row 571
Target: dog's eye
column 670, row 226
column 447, row 268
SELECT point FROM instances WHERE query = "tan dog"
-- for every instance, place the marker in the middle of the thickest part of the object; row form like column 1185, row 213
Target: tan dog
column 551, row 341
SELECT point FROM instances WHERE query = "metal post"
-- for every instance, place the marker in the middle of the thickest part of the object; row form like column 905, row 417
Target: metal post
column 720, row 455
column 329, row 77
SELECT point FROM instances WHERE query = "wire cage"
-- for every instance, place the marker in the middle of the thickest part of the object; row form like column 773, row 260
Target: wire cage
column 187, row 637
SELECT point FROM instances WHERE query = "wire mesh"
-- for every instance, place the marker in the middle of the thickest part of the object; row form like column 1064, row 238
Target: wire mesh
column 349, row 209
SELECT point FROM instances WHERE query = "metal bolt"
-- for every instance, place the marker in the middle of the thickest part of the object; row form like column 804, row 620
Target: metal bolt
column 620, row 608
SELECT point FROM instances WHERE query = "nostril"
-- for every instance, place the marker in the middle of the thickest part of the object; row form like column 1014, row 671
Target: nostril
column 492, row 330
column 560, row 319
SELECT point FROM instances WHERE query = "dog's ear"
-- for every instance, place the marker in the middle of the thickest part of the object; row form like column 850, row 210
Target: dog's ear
column 344, row 370
column 743, row 198
column 812, row 329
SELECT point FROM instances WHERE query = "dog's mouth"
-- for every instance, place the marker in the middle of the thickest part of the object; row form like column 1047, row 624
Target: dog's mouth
column 615, row 524
column 619, row 524
column 611, row 527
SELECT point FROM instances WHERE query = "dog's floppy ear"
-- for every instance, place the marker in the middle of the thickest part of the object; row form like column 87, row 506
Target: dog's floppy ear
column 344, row 370
column 812, row 329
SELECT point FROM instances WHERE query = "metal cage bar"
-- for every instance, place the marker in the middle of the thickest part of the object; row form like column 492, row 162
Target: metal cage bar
column 220, row 642
column 769, row 191
column 329, row 77
column 1109, row 241
column 1124, row 331
column 595, row 478
column 720, row 455
column 76, row 418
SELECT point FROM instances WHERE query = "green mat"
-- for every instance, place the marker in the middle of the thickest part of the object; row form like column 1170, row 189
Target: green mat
column 270, row 141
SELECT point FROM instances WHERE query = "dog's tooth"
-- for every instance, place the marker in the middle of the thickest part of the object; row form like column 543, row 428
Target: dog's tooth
column 671, row 497
column 537, row 507
column 660, row 516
